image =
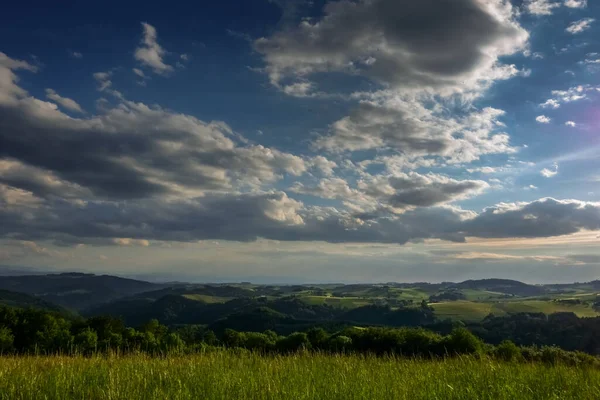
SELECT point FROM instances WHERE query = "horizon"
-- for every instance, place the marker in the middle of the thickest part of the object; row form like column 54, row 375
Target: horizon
column 265, row 281
column 302, row 141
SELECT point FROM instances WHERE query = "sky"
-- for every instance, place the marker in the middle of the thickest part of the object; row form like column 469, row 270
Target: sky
column 289, row 141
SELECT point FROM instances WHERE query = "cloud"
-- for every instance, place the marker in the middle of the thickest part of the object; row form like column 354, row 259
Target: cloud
column 541, row 7
column 572, row 94
column 67, row 103
column 550, row 103
column 484, row 170
column 493, row 257
column 133, row 174
column 576, row 3
column 580, row 26
column 407, row 126
column 542, row 218
column 139, row 73
column 572, row 124
column 549, row 173
column 76, row 54
column 431, row 45
column 542, row 119
column 105, row 84
column 150, row 53
column 273, row 215
column 133, row 150
column 393, row 193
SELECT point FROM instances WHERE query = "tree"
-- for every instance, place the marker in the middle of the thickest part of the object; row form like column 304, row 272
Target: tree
column 294, row 342
column 6, row 340
column 339, row 343
column 507, row 351
column 86, row 341
column 318, row 338
column 462, row 341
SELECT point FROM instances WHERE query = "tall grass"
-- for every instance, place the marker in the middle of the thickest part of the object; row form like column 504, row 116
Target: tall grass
column 240, row 375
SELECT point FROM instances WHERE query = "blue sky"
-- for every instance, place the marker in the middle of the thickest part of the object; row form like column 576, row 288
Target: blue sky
column 302, row 141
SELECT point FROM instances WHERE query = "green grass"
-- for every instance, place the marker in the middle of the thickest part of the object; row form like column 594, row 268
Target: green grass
column 344, row 302
column 475, row 311
column 207, row 298
column 463, row 310
column 227, row 375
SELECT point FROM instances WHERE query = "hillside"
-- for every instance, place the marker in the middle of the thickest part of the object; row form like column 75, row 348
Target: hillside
column 76, row 291
column 22, row 300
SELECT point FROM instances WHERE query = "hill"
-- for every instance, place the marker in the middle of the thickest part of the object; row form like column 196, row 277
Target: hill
column 22, row 300
column 506, row 286
column 76, row 291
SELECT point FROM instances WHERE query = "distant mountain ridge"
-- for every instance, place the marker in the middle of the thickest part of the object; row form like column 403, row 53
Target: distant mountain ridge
column 76, row 290
column 22, row 300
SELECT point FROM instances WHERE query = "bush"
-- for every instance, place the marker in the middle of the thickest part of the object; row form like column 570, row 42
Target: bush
column 462, row 341
column 295, row 342
column 339, row 344
column 86, row 341
column 507, row 351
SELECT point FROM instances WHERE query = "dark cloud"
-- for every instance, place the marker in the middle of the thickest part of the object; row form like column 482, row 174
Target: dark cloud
column 129, row 151
column 542, row 218
column 431, row 43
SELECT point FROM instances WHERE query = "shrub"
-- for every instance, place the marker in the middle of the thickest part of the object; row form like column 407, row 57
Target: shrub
column 339, row 344
column 507, row 351
column 462, row 341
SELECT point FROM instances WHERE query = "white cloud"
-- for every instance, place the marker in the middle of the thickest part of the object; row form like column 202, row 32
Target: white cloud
column 550, row 103
column 580, row 26
column 572, row 124
column 76, row 54
column 549, row 173
column 105, row 84
column 406, row 125
column 184, row 57
column 150, row 53
column 67, row 103
column 576, row 3
column 572, row 94
column 541, row 7
column 542, row 119
column 139, row 73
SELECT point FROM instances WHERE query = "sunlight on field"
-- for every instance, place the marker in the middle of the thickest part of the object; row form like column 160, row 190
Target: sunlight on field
column 230, row 375
column 475, row 311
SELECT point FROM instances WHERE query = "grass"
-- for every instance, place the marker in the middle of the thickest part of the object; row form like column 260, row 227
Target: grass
column 343, row 302
column 231, row 375
column 207, row 298
column 476, row 311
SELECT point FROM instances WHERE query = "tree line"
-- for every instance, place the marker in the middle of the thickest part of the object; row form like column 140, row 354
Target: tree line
column 33, row 331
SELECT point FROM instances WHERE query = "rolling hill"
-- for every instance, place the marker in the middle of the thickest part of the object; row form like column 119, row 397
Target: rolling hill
column 76, row 291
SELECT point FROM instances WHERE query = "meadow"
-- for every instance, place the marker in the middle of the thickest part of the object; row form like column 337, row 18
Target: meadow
column 235, row 374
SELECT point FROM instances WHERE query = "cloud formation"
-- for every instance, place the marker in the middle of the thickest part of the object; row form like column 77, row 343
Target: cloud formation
column 399, row 43
column 549, row 173
column 150, row 53
column 542, row 119
column 65, row 102
column 580, row 26
column 407, row 126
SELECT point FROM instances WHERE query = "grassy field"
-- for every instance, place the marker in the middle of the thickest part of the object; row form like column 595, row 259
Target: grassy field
column 227, row 375
column 476, row 311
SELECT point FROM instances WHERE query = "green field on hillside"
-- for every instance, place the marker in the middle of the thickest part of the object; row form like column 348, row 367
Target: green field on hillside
column 241, row 375
column 207, row 298
column 475, row 311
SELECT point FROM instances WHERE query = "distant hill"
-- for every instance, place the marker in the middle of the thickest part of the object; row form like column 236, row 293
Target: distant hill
column 507, row 286
column 76, row 291
column 15, row 299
